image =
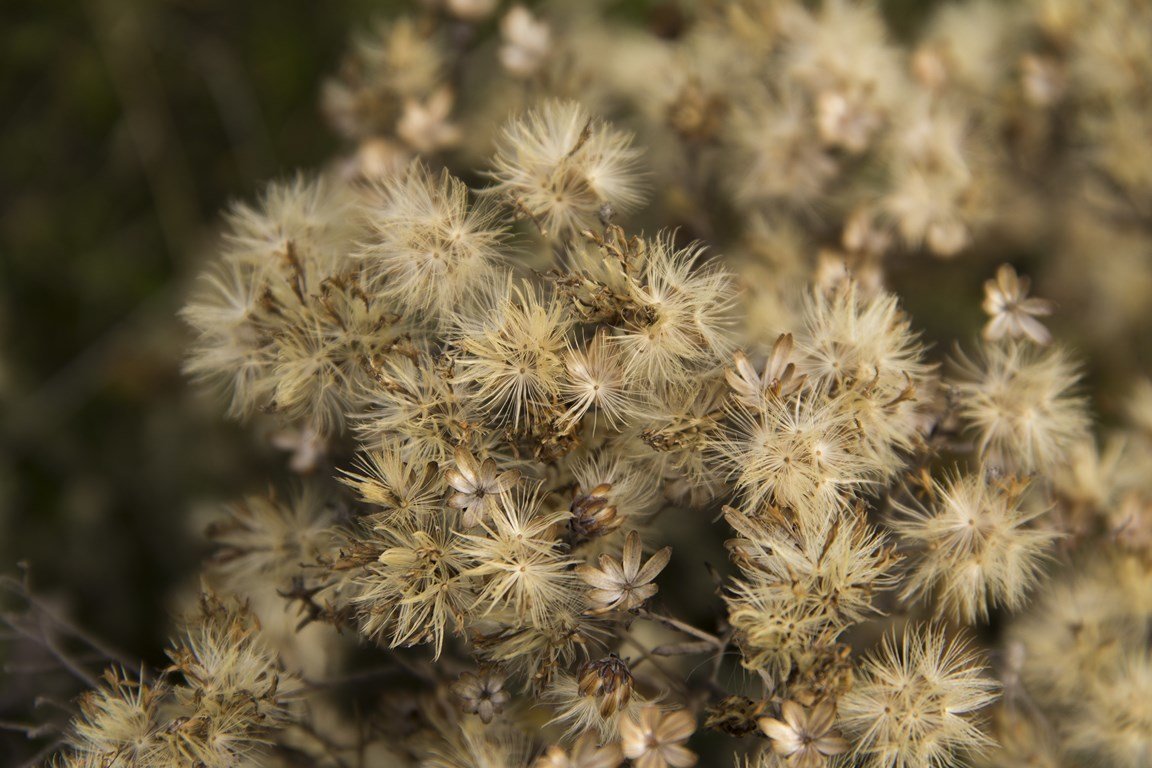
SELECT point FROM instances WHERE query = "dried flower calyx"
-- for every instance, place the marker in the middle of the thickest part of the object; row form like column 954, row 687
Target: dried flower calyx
column 624, row 585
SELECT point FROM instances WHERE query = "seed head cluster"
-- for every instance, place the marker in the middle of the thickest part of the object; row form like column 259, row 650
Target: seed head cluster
column 655, row 379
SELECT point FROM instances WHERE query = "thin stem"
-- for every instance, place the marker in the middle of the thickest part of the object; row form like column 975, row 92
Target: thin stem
column 42, row 638
column 646, row 656
column 21, row 588
column 681, row 626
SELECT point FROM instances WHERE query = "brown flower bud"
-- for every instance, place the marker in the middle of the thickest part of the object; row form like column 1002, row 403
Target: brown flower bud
column 593, row 514
column 735, row 715
column 609, row 681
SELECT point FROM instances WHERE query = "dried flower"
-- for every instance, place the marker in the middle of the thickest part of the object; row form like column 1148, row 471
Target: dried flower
column 915, row 703
column 521, row 563
column 482, row 693
column 626, row 585
column 424, row 125
column 678, row 323
column 805, row 736
column 597, row 380
column 586, row 753
column 417, row 590
column 560, row 167
column 478, row 486
column 981, row 547
column 527, row 42
column 829, row 569
column 803, row 156
column 1021, row 404
column 654, row 739
column 265, row 538
column 803, row 454
column 383, row 478
column 428, row 248
column 1012, row 313
column 511, row 353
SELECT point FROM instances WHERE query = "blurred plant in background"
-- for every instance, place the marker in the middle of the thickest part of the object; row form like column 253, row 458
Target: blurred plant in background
column 631, row 381
column 127, row 126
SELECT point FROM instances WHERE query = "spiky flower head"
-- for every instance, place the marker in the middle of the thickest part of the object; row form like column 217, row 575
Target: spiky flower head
column 427, row 248
column 417, row 591
column 561, row 167
column 802, row 453
column 981, row 546
column 519, row 561
column 831, row 568
column 1021, row 404
column 511, row 353
column 916, row 702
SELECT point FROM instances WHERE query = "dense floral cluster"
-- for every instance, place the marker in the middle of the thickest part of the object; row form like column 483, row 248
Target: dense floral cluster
column 584, row 298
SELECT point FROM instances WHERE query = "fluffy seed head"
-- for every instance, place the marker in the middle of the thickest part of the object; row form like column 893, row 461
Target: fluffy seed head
column 980, row 548
column 801, row 453
column 915, row 702
column 427, row 248
column 520, row 563
column 560, row 167
column 679, row 321
column 1019, row 402
column 1112, row 721
column 849, row 337
column 416, row 591
column 512, row 351
column 833, row 569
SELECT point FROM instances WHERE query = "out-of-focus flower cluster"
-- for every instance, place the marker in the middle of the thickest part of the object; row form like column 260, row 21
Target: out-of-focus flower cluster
column 583, row 296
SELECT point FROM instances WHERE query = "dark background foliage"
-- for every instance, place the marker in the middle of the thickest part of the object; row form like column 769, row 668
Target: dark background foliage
column 128, row 125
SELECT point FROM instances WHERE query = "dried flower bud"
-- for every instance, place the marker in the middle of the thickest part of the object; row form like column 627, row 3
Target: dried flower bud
column 735, row 715
column 593, row 515
column 609, row 681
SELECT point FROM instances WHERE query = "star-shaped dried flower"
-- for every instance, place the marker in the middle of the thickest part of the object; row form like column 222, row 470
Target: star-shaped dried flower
column 805, row 736
column 482, row 694
column 625, row 585
column 424, row 125
column 655, row 738
column 1012, row 313
column 477, row 486
column 586, row 753
column 527, row 42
